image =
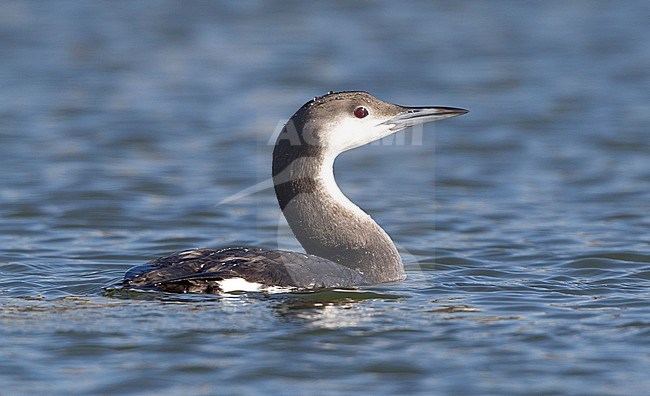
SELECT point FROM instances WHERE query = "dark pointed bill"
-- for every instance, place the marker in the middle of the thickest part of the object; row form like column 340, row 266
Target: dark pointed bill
column 420, row 115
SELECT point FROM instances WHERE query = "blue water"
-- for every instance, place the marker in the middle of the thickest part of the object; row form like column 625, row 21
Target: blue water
column 524, row 224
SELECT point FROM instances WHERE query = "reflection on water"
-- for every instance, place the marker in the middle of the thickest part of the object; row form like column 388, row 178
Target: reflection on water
column 524, row 224
column 331, row 309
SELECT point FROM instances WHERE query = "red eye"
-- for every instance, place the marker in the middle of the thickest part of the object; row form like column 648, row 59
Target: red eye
column 360, row 112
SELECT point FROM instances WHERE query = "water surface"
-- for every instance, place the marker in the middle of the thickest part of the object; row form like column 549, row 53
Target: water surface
column 523, row 225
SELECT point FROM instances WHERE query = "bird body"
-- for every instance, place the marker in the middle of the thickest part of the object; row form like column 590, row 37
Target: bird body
column 345, row 247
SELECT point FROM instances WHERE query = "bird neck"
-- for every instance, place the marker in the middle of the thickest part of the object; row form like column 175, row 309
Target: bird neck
column 324, row 220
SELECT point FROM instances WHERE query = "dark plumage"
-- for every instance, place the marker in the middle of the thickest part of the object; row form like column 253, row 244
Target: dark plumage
column 201, row 270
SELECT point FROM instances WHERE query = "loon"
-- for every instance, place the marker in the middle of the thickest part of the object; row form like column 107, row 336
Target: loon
column 345, row 247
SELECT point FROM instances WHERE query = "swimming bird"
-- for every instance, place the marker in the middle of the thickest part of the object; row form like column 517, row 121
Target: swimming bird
column 344, row 246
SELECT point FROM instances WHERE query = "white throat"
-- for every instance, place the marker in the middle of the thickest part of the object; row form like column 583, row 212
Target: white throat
column 326, row 175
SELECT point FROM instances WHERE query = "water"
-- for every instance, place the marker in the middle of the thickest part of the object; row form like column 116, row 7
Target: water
column 524, row 224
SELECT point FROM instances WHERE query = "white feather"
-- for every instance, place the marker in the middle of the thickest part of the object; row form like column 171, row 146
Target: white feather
column 238, row 284
column 241, row 284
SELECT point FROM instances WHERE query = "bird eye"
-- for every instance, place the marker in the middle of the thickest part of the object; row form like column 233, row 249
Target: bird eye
column 360, row 112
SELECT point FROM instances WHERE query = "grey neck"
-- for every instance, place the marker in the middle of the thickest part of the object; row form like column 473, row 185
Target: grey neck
column 324, row 221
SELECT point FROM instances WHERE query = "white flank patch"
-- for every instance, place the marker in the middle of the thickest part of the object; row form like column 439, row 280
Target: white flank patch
column 242, row 285
column 238, row 284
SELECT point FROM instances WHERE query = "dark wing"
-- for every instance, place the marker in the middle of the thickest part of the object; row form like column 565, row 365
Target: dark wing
column 202, row 270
